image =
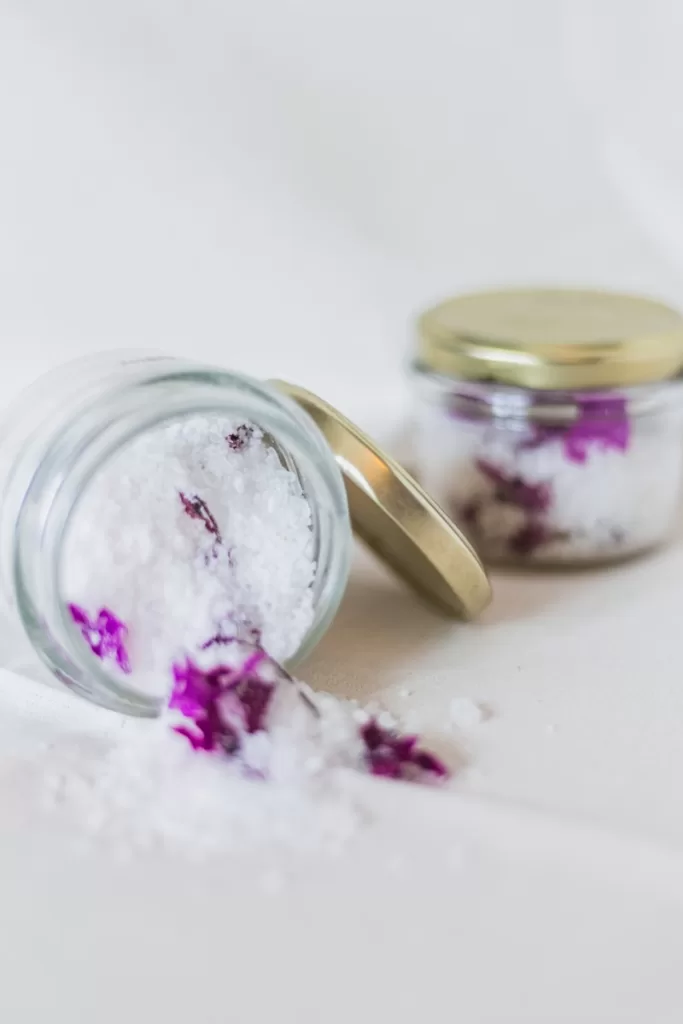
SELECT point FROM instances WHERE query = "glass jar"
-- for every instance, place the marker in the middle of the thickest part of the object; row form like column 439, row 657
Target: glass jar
column 75, row 418
column 549, row 424
column 67, row 425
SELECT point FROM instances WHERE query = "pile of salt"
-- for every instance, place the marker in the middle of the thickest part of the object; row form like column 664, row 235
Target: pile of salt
column 195, row 529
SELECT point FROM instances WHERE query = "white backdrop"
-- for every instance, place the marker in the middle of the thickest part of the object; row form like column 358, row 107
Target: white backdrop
column 279, row 184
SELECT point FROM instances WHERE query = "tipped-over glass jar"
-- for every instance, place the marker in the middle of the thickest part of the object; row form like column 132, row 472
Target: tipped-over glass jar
column 142, row 494
column 550, row 423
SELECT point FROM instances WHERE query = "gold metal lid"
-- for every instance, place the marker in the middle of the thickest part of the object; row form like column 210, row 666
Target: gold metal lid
column 397, row 519
column 552, row 339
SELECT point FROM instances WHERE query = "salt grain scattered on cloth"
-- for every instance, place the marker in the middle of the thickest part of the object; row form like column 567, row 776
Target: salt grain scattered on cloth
column 465, row 713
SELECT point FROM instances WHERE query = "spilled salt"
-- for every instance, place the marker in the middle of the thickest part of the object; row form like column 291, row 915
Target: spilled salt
column 143, row 785
column 189, row 568
column 146, row 788
column 465, row 713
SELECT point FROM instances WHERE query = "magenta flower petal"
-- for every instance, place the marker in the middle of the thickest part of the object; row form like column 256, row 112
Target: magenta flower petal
column 225, row 702
column 255, row 697
column 532, row 536
column 392, row 756
column 427, row 762
column 527, row 539
column 105, row 635
column 196, row 737
column 196, row 508
column 602, row 421
column 386, row 766
column 218, row 639
column 240, row 437
column 512, row 489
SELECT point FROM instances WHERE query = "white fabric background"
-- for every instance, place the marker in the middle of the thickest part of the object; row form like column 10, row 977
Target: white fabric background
column 278, row 185
column 281, row 183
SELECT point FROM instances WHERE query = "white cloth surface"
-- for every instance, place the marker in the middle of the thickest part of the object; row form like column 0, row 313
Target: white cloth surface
column 278, row 186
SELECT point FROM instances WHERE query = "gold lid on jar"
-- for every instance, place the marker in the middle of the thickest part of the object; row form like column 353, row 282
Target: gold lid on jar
column 552, row 339
column 397, row 519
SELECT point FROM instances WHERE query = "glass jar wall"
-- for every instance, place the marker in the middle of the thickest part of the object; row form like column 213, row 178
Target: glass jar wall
column 60, row 433
column 553, row 477
column 549, row 423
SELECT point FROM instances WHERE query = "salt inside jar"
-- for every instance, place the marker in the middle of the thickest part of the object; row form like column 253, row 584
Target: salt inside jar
column 153, row 509
column 549, row 423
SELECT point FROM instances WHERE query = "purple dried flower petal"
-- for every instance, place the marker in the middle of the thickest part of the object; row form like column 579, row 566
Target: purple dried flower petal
column 470, row 512
column 386, row 765
column 105, row 635
column 244, row 707
column 514, row 490
column 531, row 537
column 240, row 437
column 245, row 633
column 390, row 755
column 427, row 762
column 198, row 739
column 223, row 703
column 196, row 508
column 602, row 420
column 372, row 735
column 404, row 747
column 218, row 639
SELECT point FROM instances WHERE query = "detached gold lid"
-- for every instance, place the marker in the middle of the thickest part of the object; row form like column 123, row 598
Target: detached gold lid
column 397, row 519
column 552, row 339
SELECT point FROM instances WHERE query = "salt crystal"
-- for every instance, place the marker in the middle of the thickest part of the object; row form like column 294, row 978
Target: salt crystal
column 465, row 713
column 386, row 720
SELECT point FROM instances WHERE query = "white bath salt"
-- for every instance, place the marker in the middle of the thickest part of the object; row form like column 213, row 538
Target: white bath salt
column 196, row 528
column 525, row 494
column 245, row 757
column 145, row 787
column 465, row 713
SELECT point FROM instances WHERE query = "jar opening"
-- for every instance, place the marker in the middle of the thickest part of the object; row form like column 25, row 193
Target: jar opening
column 71, row 471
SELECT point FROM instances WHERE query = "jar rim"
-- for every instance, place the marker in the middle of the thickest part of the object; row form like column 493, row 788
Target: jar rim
column 100, row 432
column 502, row 400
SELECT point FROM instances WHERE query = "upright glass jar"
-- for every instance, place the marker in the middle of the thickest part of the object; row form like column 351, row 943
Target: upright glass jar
column 550, row 423
column 66, row 426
